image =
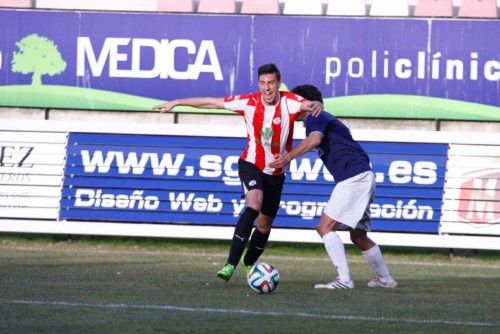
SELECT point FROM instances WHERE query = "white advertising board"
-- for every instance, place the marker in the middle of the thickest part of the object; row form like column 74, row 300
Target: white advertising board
column 472, row 190
column 31, row 169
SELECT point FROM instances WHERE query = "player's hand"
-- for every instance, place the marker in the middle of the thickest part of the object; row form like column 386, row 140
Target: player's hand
column 316, row 108
column 164, row 107
column 280, row 161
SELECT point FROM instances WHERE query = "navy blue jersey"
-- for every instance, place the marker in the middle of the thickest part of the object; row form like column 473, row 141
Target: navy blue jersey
column 340, row 153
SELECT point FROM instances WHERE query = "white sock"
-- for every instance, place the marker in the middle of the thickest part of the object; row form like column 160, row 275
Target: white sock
column 336, row 251
column 376, row 260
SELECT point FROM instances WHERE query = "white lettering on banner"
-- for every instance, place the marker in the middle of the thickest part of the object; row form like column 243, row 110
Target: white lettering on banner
column 231, row 177
column 96, row 160
column 165, row 52
column 404, row 68
column 399, row 211
column 238, row 206
column 400, row 171
column 212, row 166
column 492, row 70
column 310, row 172
column 198, row 204
column 422, row 172
column 15, row 156
column 96, row 198
column 307, row 210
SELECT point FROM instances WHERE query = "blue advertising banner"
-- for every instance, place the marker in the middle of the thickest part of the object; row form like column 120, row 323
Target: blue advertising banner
column 194, row 180
column 365, row 67
column 160, row 56
column 448, row 59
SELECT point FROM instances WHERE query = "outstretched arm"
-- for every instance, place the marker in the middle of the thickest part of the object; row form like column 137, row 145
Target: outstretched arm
column 196, row 102
column 307, row 144
column 314, row 107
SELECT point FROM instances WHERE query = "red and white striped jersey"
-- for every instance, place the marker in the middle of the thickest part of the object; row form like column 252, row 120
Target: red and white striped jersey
column 269, row 128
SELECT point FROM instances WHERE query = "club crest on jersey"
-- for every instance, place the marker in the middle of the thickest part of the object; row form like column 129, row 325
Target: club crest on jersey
column 266, row 134
column 276, row 120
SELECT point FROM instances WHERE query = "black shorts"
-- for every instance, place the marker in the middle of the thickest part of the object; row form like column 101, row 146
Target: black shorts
column 272, row 185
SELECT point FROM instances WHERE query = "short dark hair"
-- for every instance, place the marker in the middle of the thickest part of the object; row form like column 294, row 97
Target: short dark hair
column 269, row 69
column 308, row 92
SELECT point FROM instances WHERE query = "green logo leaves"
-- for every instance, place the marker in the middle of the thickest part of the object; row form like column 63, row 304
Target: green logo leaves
column 37, row 55
column 266, row 133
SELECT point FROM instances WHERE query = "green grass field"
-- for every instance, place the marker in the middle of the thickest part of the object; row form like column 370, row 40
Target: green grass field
column 109, row 285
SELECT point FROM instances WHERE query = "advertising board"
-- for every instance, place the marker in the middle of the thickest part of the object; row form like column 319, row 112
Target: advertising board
column 194, row 180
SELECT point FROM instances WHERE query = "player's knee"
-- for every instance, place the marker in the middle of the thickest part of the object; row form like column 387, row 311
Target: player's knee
column 322, row 229
column 264, row 223
column 326, row 224
column 356, row 239
column 318, row 229
column 360, row 239
column 254, row 206
column 254, row 202
column 264, row 228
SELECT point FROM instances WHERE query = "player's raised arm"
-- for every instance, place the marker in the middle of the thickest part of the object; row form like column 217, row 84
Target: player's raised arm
column 314, row 107
column 195, row 102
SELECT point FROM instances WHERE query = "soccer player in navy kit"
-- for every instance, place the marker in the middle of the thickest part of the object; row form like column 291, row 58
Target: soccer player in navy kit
column 349, row 203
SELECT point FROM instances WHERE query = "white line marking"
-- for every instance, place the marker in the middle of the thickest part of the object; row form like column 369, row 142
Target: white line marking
column 249, row 312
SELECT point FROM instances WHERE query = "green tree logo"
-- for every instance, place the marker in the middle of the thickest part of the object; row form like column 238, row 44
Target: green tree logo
column 37, row 55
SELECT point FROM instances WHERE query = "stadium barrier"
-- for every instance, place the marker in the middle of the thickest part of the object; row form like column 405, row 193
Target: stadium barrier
column 434, row 189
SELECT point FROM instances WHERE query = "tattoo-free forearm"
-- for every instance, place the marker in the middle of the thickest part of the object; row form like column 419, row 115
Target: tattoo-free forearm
column 304, row 146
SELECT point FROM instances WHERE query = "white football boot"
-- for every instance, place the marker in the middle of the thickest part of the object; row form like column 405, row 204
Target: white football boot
column 337, row 284
column 380, row 282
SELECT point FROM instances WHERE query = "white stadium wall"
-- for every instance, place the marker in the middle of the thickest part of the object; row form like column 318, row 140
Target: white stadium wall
column 434, row 189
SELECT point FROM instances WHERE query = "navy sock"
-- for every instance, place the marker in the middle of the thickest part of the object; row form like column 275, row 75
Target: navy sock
column 256, row 248
column 241, row 234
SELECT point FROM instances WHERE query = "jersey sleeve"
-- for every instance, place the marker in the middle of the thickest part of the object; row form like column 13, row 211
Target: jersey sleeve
column 237, row 103
column 316, row 124
column 293, row 101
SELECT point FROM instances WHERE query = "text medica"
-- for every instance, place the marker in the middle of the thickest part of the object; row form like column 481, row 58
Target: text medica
column 119, row 51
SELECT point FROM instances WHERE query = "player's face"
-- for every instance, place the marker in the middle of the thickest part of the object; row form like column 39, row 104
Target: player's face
column 268, row 86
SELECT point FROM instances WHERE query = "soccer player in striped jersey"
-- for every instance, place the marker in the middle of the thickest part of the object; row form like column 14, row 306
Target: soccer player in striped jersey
column 269, row 116
column 349, row 204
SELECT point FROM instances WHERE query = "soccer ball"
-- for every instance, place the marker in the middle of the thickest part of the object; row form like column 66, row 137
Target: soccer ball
column 263, row 278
